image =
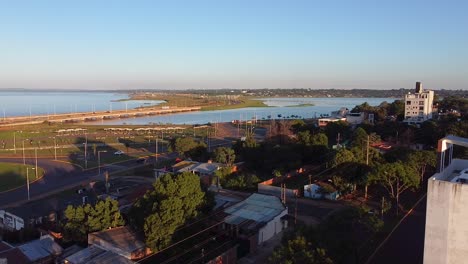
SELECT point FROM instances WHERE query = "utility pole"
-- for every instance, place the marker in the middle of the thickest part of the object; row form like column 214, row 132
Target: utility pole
column 35, row 154
column 155, row 150
column 295, row 210
column 85, row 151
column 55, row 148
column 382, row 207
column 27, row 180
column 367, row 163
column 338, row 140
column 24, row 159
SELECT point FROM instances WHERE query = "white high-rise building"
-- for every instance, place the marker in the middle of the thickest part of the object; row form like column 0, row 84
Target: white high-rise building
column 446, row 237
column 419, row 105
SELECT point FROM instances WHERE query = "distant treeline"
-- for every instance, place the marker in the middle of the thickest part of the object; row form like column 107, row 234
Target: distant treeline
column 394, row 93
column 299, row 92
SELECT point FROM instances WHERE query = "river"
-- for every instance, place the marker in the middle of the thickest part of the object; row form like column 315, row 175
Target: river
column 25, row 103
column 279, row 108
column 14, row 103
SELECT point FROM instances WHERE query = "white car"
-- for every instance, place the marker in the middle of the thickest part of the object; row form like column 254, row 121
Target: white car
column 119, row 152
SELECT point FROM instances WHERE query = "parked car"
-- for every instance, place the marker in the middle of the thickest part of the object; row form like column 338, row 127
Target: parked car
column 141, row 160
column 119, row 152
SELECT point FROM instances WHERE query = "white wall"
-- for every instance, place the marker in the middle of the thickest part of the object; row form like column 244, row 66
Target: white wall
column 11, row 221
column 446, row 234
column 272, row 228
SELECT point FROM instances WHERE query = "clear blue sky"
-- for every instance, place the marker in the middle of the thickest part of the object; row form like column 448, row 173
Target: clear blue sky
column 233, row 44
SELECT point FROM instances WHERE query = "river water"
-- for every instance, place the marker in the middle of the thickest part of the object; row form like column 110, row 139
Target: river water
column 25, row 103
column 35, row 103
column 279, row 108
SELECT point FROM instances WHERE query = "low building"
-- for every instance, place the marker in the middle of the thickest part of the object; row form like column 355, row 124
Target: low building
column 95, row 255
column 446, row 231
column 257, row 218
column 355, row 118
column 320, row 191
column 206, row 170
column 43, row 250
column 122, row 241
column 322, row 122
column 11, row 254
column 9, row 221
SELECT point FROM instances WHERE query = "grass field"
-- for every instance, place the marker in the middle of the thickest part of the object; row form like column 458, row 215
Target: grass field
column 13, row 175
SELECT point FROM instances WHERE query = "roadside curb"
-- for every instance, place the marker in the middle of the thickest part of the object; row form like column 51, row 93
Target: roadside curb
column 21, row 186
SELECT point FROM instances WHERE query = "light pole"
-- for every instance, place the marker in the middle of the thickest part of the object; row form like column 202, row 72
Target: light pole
column 27, row 180
column 85, row 151
column 55, row 148
column 35, row 154
column 14, row 141
column 156, row 150
column 24, row 158
column 99, row 161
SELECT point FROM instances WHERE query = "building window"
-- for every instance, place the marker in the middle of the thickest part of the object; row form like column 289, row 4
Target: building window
column 421, row 102
column 421, row 108
column 408, row 102
column 408, row 113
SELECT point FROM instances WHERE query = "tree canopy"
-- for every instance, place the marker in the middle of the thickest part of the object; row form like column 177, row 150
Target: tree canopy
column 82, row 220
column 174, row 200
column 225, row 155
column 299, row 250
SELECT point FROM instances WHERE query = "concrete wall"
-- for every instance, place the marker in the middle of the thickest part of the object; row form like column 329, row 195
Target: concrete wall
column 274, row 190
column 271, row 228
column 446, row 234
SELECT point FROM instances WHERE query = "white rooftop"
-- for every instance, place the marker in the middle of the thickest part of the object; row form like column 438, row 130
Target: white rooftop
column 257, row 207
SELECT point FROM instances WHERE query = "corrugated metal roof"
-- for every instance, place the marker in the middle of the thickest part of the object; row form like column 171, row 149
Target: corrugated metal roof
column 257, row 207
column 94, row 254
column 41, row 248
column 122, row 237
column 205, row 168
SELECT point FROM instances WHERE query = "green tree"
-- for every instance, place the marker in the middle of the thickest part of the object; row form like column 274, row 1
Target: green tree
column 225, row 155
column 299, row 250
column 342, row 156
column 75, row 228
column 319, row 139
column 333, row 129
column 421, row 160
column 396, row 178
column 359, row 138
column 82, row 220
column 303, row 137
column 104, row 215
column 174, row 200
column 344, row 231
column 183, row 145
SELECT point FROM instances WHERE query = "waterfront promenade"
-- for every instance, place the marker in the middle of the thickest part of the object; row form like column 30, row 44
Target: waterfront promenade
column 92, row 116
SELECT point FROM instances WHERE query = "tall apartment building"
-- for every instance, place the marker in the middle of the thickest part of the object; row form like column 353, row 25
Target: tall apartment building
column 446, row 236
column 419, row 105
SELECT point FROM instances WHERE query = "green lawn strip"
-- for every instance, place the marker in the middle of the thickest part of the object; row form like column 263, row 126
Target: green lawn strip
column 13, row 175
column 245, row 102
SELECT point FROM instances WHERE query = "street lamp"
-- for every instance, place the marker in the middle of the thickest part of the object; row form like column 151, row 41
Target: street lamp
column 85, row 151
column 27, row 180
column 99, row 161
column 55, row 148
column 24, row 158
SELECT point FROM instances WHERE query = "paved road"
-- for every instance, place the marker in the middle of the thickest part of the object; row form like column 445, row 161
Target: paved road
column 406, row 245
column 59, row 175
